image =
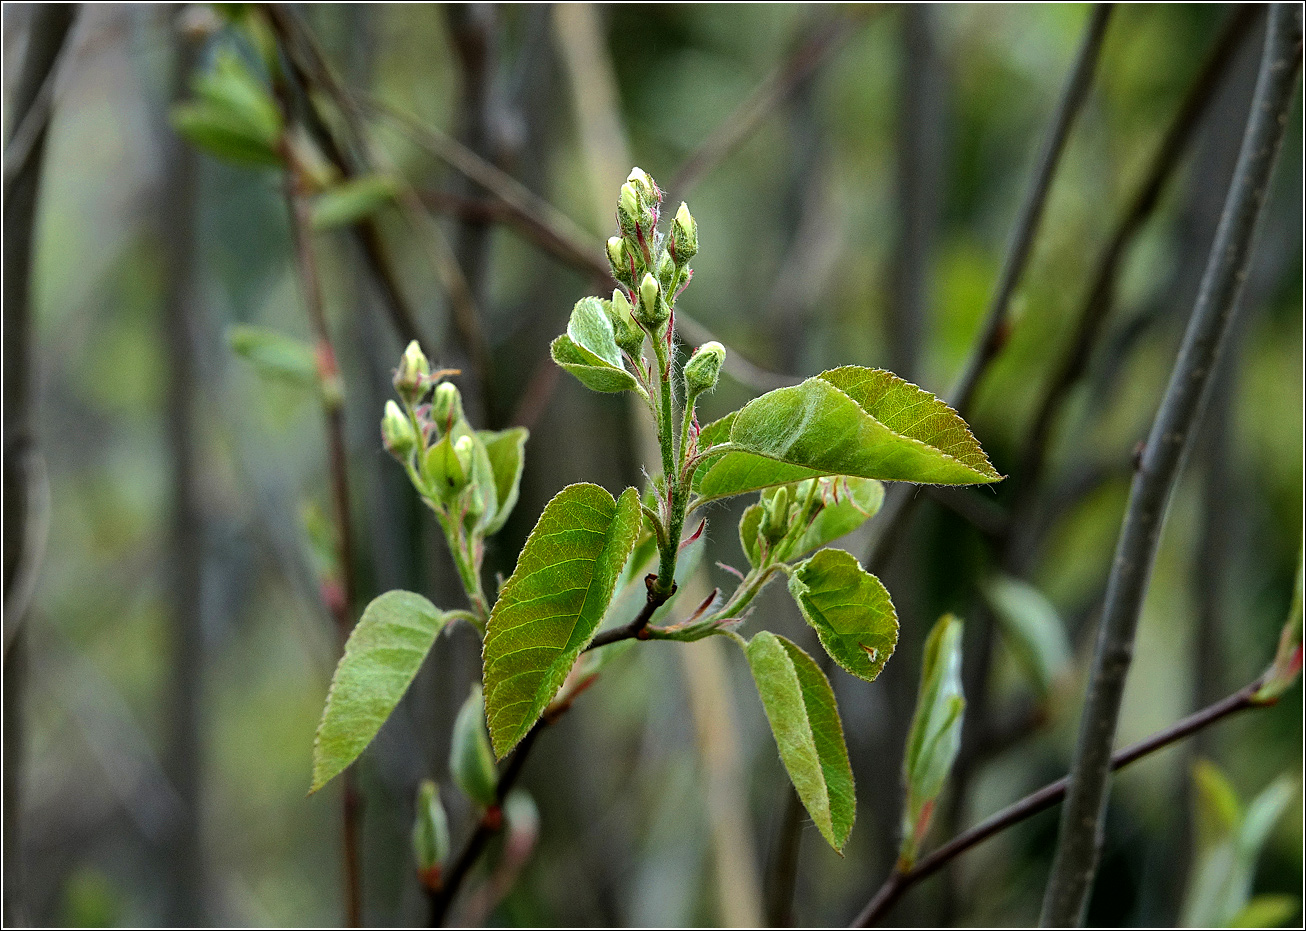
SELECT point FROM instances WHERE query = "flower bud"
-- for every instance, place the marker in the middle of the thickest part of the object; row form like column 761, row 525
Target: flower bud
column 652, row 310
column 430, row 833
column 471, row 762
column 645, row 185
column 462, row 449
column 630, row 213
column 684, row 235
column 446, row 406
column 397, row 431
column 413, row 368
column 443, row 469
column 625, row 330
column 704, row 368
column 775, row 520
column 619, row 256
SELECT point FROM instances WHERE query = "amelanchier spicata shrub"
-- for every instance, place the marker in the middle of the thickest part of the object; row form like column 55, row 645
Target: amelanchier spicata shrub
column 601, row 567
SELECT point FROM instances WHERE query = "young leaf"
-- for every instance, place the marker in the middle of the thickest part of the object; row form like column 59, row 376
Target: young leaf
column 381, row 658
column 1032, row 628
column 1285, row 669
column 352, row 200
column 233, row 117
column 507, row 453
column 471, row 763
column 817, row 428
column 274, row 354
column 550, row 608
column 849, row 609
column 588, row 368
column 590, row 328
column 935, row 734
column 859, row 500
column 804, row 720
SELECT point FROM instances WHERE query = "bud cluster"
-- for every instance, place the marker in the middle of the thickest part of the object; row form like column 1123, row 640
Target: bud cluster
column 788, row 510
column 652, row 268
column 433, row 440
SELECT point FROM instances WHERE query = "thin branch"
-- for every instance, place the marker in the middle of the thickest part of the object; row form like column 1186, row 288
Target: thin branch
column 341, row 603
column 1041, row 800
column 1096, row 306
column 1079, row 842
column 996, row 327
column 823, row 39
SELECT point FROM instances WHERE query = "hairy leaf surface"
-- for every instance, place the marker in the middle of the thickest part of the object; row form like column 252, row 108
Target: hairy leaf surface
column 849, row 610
column 381, row 658
column 548, row 611
column 804, row 720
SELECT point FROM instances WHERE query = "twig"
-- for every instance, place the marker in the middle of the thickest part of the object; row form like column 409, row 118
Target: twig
column 47, row 39
column 1041, row 800
column 1078, row 847
column 1096, row 306
column 995, row 331
column 822, row 40
column 342, row 602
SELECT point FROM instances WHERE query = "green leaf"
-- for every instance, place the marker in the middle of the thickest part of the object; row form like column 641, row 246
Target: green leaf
column 859, row 499
column 1231, row 841
column 549, row 610
column 804, row 720
column 591, row 329
column 381, row 658
column 507, row 454
column 234, row 116
column 352, row 200
column 848, row 421
column 471, row 762
column 750, row 525
column 275, row 355
column 1266, row 911
column 849, row 610
column 1032, row 628
column 935, row 734
column 589, row 369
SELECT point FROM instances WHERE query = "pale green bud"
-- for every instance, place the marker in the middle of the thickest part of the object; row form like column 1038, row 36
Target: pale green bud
column 627, row 332
column 430, row 833
column 471, row 762
column 413, row 368
column 619, row 259
column 642, row 182
column 463, row 448
column 397, row 431
column 629, row 201
column 684, row 235
column 652, row 310
column 704, row 368
column 775, row 521
column 446, row 406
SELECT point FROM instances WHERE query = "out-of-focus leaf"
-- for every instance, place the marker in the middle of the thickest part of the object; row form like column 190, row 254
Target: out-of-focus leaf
column 1266, row 911
column 849, row 610
column 1032, row 628
column 1285, row 669
column 430, row 832
column 550, row 608
column 804, row 719
column 381, row 658
column 350, row 201
column 935, row 734
column 507, row 453
column 848, row 421
column 471, row 762
column 233, row 116
column 1231, row 840
column 275, row 355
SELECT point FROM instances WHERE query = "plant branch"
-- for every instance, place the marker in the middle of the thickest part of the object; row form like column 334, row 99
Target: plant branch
column 1096, row 305
column 341, row 603
column 1041, row 800
column 1079, row 842
column 823, row 38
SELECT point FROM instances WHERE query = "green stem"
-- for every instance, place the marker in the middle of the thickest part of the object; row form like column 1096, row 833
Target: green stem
column 669, row 547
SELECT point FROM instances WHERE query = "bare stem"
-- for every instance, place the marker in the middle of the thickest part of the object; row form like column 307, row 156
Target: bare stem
column 1075, row 862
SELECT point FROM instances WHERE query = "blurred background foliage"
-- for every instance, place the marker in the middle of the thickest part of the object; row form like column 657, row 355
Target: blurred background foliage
column 661, row 796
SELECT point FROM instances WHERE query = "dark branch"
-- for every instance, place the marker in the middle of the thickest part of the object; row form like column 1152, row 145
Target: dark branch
column 1079, row 843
